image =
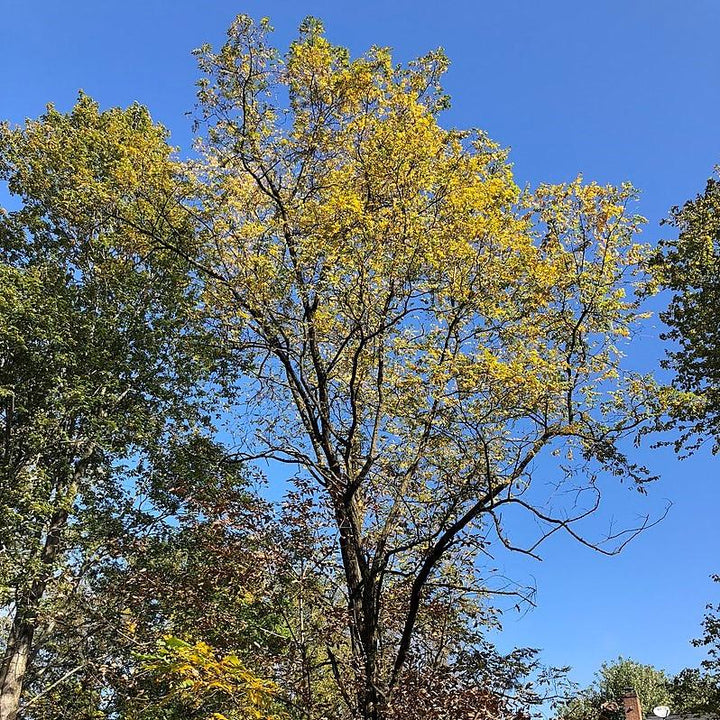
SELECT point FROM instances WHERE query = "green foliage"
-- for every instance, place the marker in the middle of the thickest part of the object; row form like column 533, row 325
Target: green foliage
column 603, row 699
column 100, row 352
column 689, row 266
column 649, row 683
column 695, row 692
column 103, row 359
column 711, row 635
column 691, row 691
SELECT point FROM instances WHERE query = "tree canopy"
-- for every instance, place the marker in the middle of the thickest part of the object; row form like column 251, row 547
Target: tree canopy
column 689, row 266
column 358, row 295
column 690, row 692
column 103, row 359
column 603, row 699
column 424, row 332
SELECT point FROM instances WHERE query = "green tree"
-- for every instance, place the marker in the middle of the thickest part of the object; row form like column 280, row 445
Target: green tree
column 603, row 699
column 650, row 684
column 101, row 354
column 689, row 266
column 691, row 691
column 198, row 561
column 711, row 636
column 695, row 691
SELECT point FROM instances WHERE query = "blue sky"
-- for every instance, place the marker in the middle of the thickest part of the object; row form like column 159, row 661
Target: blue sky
column 615, row 90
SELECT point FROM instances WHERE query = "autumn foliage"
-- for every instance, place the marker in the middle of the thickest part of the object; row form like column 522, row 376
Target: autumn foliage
column 340, row 288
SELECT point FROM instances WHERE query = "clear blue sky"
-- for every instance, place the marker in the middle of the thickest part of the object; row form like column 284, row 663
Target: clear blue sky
column 616, row 90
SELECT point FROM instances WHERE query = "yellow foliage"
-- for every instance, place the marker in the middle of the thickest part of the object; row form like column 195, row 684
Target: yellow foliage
column 396, row 263
column 203, row 679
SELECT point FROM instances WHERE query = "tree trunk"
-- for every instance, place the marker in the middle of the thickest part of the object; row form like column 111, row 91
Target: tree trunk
column 372, row 704
column 374, row 699
column 20, row 641
column 15, row 664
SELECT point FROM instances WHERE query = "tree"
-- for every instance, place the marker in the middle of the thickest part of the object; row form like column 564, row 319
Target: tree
column 689, row 266
column 690, row 692
column 711, row 635
column 424, row 332
column 101, row 356
column 199, row 561
column 200, row 679
column 423, row 336
column 604, row 697
column 649, row 683
column 694, row 691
